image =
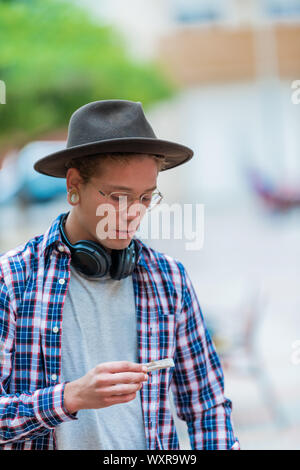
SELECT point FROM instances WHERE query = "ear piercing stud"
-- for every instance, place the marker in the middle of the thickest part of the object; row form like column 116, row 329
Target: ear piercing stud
column 74, row 196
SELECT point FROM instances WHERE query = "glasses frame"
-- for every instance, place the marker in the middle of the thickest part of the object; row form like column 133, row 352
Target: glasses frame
column 148, row 208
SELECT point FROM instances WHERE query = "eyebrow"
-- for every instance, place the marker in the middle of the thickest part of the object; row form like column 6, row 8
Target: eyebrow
column 130, row 189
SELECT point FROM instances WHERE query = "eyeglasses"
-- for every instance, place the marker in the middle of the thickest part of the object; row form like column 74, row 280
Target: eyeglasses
column 122, row 200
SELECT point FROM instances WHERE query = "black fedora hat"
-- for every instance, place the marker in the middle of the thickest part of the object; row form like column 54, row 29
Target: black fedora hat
column 111, row 126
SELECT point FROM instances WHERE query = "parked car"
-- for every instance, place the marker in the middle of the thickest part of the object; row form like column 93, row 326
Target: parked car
column 19, row 180
column 36, row 187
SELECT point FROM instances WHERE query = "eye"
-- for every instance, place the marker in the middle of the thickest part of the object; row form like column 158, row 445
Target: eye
column 118, row 197
column 146, row 198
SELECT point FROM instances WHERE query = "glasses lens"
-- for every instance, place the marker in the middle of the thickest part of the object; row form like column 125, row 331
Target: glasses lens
column 122, row 200
column 154, row 200
column 119, row 200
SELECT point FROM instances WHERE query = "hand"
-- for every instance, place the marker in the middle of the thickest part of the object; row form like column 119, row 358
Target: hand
column 109, row 383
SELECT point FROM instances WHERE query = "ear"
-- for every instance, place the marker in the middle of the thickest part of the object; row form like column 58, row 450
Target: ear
column 73, row 179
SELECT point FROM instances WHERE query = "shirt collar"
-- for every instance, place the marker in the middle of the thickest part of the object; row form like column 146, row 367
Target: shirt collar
column 52, row 237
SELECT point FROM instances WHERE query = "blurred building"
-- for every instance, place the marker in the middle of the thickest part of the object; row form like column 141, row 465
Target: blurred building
column 235, row 61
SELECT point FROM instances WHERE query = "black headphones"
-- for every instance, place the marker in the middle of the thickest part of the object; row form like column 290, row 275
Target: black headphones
column 91, row 259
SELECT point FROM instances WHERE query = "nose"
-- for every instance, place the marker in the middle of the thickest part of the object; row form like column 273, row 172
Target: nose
column 135, row 210
column 132, row 216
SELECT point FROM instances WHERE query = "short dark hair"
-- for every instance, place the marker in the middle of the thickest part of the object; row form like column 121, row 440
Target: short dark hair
column 87, row 166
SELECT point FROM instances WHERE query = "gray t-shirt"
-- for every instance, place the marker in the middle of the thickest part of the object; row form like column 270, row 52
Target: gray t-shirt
column 99, row 325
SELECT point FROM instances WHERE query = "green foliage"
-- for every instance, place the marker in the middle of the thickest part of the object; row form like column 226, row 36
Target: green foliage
column 54, row 58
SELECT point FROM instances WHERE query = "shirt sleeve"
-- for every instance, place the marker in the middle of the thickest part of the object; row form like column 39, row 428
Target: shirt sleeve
column 198, row 381
column 24, row 415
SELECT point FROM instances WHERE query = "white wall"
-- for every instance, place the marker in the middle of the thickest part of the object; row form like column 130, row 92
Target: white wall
column 231, row 127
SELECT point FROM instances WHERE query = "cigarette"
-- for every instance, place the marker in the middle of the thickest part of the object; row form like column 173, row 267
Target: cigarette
column 162, row 364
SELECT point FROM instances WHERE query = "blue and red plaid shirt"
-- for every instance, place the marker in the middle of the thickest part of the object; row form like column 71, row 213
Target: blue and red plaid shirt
column 33, row 285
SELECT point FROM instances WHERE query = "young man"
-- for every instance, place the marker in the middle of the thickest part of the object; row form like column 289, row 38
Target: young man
column 83, row 308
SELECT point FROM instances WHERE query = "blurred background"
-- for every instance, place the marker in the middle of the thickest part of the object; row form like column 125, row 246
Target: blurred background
column 218, row 76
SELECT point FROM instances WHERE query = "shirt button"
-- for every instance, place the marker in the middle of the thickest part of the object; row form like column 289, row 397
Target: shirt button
column 55, row 329
column 61, row 281
column 53, row 377
column 61, row 248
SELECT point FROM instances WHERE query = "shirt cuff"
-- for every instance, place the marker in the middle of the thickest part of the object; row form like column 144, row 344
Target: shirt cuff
column 48, row 404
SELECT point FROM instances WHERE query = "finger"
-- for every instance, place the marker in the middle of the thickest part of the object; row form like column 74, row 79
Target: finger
column 116, row 390
column 124, row 378
column 121, row 366
column 114, row 400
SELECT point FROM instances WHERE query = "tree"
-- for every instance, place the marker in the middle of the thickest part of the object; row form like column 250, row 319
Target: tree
column 54, row 58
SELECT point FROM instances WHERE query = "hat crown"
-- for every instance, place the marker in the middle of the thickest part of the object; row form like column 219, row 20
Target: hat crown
column 108, row 119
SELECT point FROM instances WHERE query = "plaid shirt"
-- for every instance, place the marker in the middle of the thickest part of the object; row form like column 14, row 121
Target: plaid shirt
column 33, row 285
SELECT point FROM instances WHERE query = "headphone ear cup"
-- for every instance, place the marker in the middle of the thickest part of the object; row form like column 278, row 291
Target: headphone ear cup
column 88, row 257
column 123, row 262
column 91, row 259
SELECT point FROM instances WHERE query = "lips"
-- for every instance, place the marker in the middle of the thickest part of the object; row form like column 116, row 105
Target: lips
column 125, row 233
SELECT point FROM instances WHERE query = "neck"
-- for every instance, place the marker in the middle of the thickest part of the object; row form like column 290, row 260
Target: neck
column 75, row 232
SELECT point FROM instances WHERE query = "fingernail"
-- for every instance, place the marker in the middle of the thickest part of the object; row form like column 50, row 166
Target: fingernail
column 144, row 369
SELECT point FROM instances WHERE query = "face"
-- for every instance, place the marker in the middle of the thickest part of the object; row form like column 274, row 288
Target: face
column 92, row 219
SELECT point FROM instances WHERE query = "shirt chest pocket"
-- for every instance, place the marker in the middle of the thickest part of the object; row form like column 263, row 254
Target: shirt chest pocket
column 163, row 345
column 162, row 332
column 161, row 318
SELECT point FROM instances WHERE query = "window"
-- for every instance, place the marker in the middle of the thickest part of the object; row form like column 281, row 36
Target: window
column 198, row 11
column 282, row 9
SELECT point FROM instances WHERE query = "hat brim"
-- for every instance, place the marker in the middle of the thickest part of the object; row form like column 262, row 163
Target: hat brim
column 55, row 163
